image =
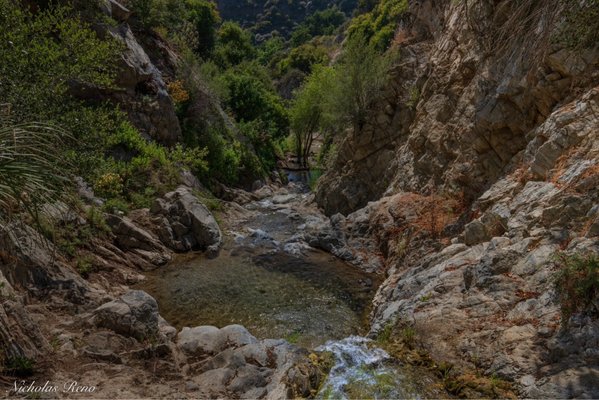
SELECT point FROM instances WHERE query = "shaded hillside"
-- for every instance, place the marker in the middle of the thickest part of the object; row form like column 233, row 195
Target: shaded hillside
column 265, row 17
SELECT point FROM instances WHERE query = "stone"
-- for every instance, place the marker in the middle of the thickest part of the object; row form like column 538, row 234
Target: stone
column 141, row 90
column 33, row 265
column 116, row 10
column 201, row 340
column 134, row 314
column 185, row 223
column 593, row 229
column 475, row 232
column 166, row 329
column 130, row 236
column 237, row 336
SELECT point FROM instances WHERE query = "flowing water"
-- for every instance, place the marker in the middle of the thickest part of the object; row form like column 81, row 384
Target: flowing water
column 363, row 371
column 267, row 279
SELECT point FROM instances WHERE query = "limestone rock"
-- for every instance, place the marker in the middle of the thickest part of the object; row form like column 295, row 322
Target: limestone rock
column 131, row 237
column 186, row 224
column 134, row 314
column 241, row 366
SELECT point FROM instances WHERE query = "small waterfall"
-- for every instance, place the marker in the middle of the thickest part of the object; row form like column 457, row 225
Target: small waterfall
column 362, row 370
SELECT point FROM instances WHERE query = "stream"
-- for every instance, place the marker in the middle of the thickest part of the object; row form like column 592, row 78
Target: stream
column 270, row 281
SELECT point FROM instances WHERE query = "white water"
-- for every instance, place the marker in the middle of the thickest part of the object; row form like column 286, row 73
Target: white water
column 362, row 370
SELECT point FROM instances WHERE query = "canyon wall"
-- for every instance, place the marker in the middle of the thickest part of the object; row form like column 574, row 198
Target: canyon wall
column 479, row 167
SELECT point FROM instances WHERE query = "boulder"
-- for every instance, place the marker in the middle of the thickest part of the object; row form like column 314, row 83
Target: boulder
column 131, row 237
column 237, row 365
column 185, row 223
column 211, row 340
column 134, row 314
column 475, row 233
column 201, row 340
column 116, row 10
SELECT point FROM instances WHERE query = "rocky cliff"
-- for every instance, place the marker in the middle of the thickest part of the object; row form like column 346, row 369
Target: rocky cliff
column 477, row 169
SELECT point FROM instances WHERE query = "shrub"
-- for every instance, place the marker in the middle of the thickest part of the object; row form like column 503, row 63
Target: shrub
column 580, row 24
column 577, row 283
column 234, row 45
column 19, row 366
column 30, row 169
column 378, row 25
column 177, row 92
column 109, row 185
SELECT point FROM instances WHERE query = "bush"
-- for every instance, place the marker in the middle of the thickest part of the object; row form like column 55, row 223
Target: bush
column 303, row 58
column 19, row 366
column 378, row 26
column 577, row 284
column 580, row 25
column 234, row 45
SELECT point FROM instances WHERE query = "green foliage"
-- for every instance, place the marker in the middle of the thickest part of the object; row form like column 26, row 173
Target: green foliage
column 234, row 45
column 204, row 17
column 304, row 58
column 84, row 266
column 378, row 25
column 30, row 168
column 42, row 55
column 250, row 98
column 324, row 22
column 414, row 97
column 294, row 337
column 269, row 50
column 359, row 84
column 19, row 366
column 580, row 25
column 577, row 283
column 311, row 109
column 193, row 22
column 313, row 178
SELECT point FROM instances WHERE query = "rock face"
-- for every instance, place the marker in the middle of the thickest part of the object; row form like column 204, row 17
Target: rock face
column 141, row 80
column 468, row 191
column 185, row 223
column 140, row 88
column 456, row 112
column 34, row 265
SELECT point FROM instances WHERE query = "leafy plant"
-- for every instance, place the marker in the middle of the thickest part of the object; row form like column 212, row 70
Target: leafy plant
column 19, row 366
column 84, row 266
column 579, row 27
column 30, row 168
column 577, row 283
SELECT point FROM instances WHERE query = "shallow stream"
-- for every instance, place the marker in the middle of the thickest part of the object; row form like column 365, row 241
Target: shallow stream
column 270, row 281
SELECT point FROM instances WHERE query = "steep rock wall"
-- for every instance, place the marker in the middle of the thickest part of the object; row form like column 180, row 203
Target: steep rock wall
column 459, row 107
column 466, row 193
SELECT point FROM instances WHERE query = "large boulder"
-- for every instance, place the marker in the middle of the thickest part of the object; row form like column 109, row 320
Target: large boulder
column 134, row 314
column 131, row 237
column 185, row 223
column 211, row 340
column 237, row 365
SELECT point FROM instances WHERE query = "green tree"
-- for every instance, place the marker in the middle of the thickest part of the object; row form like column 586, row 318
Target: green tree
column 311, row 111
column 234, row 45
column 359, row 84
column 303, row 58
column 205, row 18
column 250, row 99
